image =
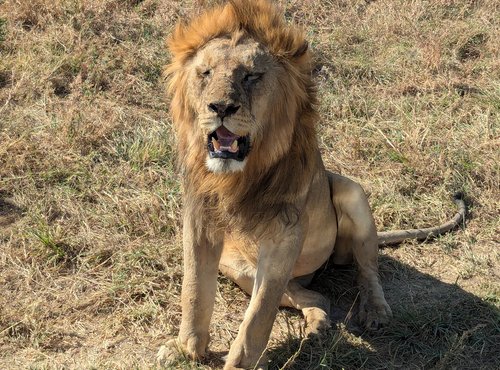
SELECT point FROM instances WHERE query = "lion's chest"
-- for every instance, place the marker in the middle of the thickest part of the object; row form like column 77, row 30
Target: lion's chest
column 320, row 234
column 318, row 247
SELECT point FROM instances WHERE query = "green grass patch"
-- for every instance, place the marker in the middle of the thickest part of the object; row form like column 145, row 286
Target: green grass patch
column 57, row 251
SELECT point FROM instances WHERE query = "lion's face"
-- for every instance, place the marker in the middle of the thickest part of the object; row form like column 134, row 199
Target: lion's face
column 231, row 84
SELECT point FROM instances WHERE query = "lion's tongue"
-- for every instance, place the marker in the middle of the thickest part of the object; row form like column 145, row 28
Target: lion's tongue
column 226, row 139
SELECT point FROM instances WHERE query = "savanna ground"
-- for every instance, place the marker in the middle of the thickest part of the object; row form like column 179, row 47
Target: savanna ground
column 90, row 251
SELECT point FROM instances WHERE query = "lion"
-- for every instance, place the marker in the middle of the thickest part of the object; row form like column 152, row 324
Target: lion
column 259, row 204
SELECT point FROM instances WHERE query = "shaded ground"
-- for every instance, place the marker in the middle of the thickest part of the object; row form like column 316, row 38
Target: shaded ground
column 436, row 325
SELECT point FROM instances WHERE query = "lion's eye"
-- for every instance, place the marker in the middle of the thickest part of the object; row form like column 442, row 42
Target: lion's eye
column 252, row 77
column 205, row 72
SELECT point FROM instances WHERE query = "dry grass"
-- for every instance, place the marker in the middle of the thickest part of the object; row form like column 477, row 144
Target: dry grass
column 90, row 262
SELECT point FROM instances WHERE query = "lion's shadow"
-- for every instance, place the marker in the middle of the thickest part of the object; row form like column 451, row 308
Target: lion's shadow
column 9, row 212
column 435, row 325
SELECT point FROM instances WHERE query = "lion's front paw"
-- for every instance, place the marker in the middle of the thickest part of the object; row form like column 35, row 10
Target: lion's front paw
column 373, row 316
column 244, row 355
column 193, row 348
column 169, row 353
column 261, row 366
column 257, row 367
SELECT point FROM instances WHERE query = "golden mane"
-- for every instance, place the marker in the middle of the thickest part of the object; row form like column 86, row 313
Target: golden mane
column 281, row 163
column 259, row 18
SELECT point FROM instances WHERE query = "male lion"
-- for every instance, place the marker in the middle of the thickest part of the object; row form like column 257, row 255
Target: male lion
column 258, row 202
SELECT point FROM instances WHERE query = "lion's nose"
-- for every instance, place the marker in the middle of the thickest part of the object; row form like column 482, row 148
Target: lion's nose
column 223, row 109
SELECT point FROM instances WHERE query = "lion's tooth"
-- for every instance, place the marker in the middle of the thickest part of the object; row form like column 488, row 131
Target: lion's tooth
column 234, row 145
column 216, row 144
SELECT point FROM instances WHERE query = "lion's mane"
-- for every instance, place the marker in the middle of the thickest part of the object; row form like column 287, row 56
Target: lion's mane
column 281, row 163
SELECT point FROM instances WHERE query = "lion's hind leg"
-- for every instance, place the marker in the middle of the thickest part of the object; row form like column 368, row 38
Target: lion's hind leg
column 357, row 238
column 314, row 306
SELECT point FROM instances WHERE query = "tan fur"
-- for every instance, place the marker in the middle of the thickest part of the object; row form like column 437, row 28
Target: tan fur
column 269, row 223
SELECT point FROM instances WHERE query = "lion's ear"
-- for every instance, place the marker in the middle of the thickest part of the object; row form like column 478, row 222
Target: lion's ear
column 301, row 50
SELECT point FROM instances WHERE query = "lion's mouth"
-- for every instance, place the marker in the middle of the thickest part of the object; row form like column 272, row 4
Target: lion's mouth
column 222, row 143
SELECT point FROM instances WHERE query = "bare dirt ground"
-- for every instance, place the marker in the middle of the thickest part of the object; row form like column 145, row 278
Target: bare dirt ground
column 90, row 256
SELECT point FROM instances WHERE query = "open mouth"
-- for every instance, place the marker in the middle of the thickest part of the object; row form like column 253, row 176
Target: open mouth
column 222, row 143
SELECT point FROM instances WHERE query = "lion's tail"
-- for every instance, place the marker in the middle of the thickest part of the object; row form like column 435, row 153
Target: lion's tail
column 397, row 236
